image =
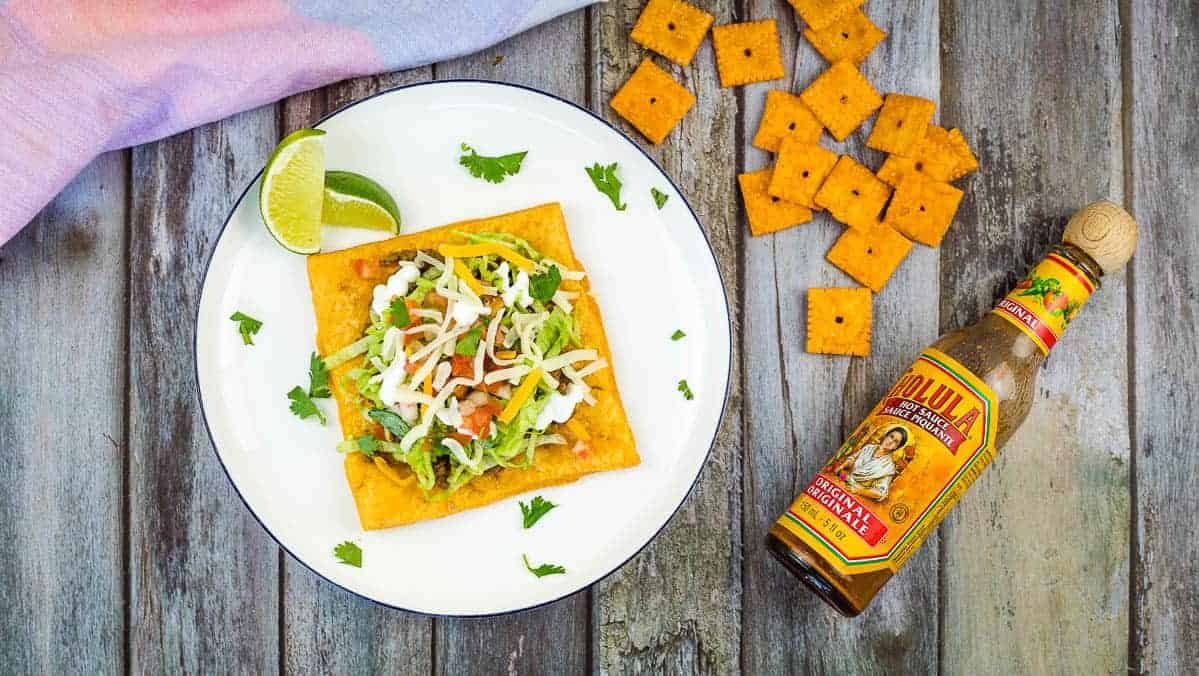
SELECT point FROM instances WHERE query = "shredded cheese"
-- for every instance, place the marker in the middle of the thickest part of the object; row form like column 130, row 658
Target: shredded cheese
column 486, row 249
column 463, row 273
column 527, row 387
column 428, row 387
column 506, row 354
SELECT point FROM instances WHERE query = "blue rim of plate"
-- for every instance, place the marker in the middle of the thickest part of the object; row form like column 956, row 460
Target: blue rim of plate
column 728, row 371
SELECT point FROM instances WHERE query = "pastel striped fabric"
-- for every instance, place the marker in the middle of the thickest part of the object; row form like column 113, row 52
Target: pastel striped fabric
column 80, row 77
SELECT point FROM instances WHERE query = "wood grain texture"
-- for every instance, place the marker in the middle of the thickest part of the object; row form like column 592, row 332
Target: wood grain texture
column 552, row 639
column 1165, row 175
column 803, row 410
column 203, row 573
column 62, row 418
column 1035, row 557
column 326, row 629
column 675, row 608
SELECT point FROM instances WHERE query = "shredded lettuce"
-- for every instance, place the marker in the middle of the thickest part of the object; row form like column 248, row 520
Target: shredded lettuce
column 557, row 331
column 347, row 353
column 511, row 437
column 422, row 289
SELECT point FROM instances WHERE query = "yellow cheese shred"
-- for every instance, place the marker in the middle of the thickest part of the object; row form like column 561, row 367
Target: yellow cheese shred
column 463, row 273
column 428, row 387
column 486, row 249
column 527, row 387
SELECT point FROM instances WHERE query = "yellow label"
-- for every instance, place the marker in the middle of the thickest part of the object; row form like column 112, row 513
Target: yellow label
column 1045, row 302
column 901, row 470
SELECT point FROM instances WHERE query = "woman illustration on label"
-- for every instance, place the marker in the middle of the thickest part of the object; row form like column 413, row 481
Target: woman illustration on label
column 872, row 468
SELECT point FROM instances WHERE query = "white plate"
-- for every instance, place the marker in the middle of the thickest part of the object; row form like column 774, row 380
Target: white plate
column 652, row 272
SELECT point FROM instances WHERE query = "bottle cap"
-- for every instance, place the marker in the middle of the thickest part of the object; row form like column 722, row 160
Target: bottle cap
column 1105, row 231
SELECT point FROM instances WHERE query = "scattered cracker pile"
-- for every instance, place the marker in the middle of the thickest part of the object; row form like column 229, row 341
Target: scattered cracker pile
column 909, row 199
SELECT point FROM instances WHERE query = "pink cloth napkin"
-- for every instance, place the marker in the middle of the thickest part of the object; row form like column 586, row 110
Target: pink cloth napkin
column 80, row 77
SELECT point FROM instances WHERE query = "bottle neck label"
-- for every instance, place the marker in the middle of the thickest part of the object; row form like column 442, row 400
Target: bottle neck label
column 1045, row 302
column 881, row 494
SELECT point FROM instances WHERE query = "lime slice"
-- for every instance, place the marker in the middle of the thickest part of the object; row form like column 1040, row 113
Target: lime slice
column 355, row 201
column 292, row 191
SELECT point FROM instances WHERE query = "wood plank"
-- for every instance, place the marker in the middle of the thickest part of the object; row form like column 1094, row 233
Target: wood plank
column 317, row 616
column 201, row 568
column 1165, row 333
column 62, row 420
column 675, row 608
column 553, row 639
column 806, row 404
column 1035, row 558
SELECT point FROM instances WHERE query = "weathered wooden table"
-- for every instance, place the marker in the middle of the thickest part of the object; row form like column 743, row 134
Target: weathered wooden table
column 125, row 548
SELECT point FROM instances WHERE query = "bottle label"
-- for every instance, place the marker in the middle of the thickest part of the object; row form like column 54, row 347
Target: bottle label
column 901, row 470
column 1046, row 301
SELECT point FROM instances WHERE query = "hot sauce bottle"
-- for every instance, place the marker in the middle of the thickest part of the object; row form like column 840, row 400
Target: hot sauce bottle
column 905, row 466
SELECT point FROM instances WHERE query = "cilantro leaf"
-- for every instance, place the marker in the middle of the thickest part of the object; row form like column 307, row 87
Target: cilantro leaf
column 491, row 169
column 367, row 445
column 468, row 343
column 391, row 421
column 302, row 405
column 318, row 378
column 606, row 182
column 544, row 569
column 678, row 335
column 659, row 197
column 349, row 554
column 399, row 313
column 543, row 285
column 686, row 390
column 247, row 326
column 535, row 510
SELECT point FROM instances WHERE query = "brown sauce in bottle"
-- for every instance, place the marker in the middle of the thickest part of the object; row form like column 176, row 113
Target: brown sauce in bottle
column 905, row 467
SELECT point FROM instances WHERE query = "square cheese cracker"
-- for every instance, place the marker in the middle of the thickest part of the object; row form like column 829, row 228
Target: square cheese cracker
column 765, row 213
column 851, row 37
column 841, row 98
column 747, row 52
column 799, row 170
column 652, row 101
column 922, row 209
column 901, row 123
column 785, row 116
column 819, row 13
column 672, row 28
column 839, row 321
column 853, row 194
column 869, row 256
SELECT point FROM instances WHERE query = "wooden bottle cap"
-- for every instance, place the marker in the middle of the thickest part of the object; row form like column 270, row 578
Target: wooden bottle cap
column 1105, row 231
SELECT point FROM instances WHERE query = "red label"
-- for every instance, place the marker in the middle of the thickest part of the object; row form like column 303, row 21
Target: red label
column 846, row 507
column 1013, row 310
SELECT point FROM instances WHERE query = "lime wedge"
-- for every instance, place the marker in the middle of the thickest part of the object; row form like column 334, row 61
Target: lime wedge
column 292, row 191
column 355, row 201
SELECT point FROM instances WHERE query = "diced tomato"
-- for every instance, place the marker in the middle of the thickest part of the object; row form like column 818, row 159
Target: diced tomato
column 462, row 366
column 582, row 449
column 480, row 418
column 411, row 367
column 460, row 438
column 367, row 269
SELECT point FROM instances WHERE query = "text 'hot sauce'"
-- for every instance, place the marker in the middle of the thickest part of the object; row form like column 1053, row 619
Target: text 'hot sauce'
column 906, row 465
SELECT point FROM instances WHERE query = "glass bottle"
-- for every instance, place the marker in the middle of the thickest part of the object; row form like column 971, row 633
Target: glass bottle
column 905, row 466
